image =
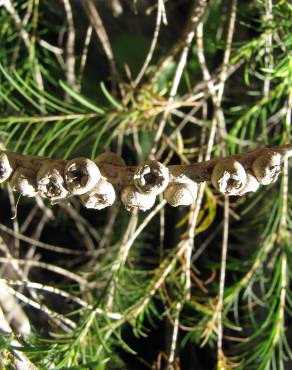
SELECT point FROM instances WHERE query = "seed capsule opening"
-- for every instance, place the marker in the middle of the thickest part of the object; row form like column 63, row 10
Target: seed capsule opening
column 151, row 177
column 81, row 175
column 51, row 183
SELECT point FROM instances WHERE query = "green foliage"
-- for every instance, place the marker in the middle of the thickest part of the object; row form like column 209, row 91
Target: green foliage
column 129, row 285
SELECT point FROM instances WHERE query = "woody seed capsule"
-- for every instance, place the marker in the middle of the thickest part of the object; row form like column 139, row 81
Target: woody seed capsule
column 6, row 167
column 81, row 175
column 50, row 181
column 151, row 177
column 23, row 180
column 132, row 198
column 101, row 196
column 229, row 177
column 267, row 167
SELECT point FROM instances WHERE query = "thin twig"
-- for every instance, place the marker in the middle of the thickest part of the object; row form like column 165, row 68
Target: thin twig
column 219, row 307
column 42, row 245
column 90, row 245
column 161, row 274
column 46, row 266
column 84, row 57
column 26, row 39
column 28, row 220
column 160, row 16
column 122, row 256
column 14, row 311
column 269, row 45
column 174, row 338
column 19, row 358
column 218, row 117
column 59, row 319
column 70, row 57
column 101, row 33
column 196, row 14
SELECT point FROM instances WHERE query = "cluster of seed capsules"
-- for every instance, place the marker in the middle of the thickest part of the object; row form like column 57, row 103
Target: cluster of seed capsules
column 98, row 182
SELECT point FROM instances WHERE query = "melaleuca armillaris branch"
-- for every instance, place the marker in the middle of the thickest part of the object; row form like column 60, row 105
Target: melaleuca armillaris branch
column 97, row 182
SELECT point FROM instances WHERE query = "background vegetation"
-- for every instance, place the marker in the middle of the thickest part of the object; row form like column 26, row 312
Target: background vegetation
column 182, row 81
